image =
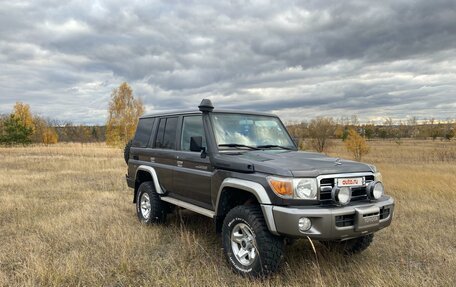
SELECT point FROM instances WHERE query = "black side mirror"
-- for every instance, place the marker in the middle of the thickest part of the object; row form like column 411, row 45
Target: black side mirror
column 196, row 144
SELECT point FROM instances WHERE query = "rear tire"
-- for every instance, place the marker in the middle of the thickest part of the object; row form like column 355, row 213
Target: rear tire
column 149, row 207
column 249, row 247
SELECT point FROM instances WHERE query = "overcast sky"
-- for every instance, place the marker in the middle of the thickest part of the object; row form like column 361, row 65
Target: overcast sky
column 299, row 59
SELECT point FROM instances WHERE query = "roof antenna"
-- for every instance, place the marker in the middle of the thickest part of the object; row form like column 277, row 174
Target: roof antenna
column 206, row 106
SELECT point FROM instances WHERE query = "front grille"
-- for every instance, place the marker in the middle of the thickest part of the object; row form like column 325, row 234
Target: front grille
column 358, row 193
column 349, row 219
column 326, row 185
column 345, row 220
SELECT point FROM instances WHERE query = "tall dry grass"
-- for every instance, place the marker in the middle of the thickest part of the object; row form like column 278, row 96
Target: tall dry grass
column 66, row 219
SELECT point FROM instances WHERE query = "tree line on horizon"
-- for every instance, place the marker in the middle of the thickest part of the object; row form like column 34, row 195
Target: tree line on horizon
column 389, row 129
column 22, row 127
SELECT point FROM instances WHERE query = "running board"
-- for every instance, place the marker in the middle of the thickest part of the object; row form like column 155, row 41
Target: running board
column 189, row 206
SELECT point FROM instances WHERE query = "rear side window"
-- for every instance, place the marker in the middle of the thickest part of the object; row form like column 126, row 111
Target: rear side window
column 143, row 131
column 192, row 126
column 160, row 132
column 166, row 134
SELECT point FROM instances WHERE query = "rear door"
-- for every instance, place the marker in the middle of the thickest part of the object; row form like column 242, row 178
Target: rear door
column 140, row 145
column 192, row 177
column 164, row 155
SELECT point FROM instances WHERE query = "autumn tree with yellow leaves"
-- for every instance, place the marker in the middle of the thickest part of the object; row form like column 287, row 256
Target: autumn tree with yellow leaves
column 50, row 136
column 23, row 127
column 124, row 111
column 22, row 113
column 44, row 132
column 18, row 127
column 356, row 144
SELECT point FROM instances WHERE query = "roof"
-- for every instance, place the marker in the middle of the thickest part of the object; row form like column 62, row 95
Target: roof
column 186, row 112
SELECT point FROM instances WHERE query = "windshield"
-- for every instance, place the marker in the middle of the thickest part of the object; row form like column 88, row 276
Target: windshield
column 250, row 131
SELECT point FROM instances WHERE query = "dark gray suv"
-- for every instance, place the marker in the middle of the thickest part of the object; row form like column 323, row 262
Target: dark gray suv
column 243, row 170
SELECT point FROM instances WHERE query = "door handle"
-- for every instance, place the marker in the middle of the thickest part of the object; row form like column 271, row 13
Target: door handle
column 180, row 163
column 135, row 157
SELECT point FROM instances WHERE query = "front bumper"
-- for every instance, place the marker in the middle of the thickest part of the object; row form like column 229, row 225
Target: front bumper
column 335, row 223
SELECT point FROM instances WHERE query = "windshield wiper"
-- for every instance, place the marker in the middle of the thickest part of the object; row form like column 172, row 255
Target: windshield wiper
column 273, row 146
column 237, row 145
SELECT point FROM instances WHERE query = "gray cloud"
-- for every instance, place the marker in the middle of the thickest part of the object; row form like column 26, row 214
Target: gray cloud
column 300, row 60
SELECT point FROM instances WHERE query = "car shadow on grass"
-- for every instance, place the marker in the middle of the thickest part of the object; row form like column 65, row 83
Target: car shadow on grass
column 298, row 253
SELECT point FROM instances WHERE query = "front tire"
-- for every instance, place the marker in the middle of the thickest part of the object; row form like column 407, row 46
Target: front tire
column 357, row 245
column 249, row 247
column 149, row 207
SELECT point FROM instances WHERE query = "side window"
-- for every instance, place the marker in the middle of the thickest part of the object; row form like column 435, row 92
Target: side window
column 192, row 126
column 160, row 132
column 143, row 131
column 169, row 138
column 166, row 134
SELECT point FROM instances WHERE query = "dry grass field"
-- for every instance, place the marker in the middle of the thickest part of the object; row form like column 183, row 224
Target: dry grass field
column 66, row 219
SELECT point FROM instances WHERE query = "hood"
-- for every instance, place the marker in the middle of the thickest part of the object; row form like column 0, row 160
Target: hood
column 300, row 164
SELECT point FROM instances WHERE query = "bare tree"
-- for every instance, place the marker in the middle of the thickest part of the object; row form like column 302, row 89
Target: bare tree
column 320, row 130
column 354, row 120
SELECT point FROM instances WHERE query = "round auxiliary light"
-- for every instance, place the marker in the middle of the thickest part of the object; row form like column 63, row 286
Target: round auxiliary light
column 375, row 189
column 344, row 195
column 304, row 190
column 341, row 195
column 304, row 224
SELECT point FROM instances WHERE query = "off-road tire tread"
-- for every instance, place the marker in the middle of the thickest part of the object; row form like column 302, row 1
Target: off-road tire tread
column 158, row 207
column 127, row 151
column 270, row 247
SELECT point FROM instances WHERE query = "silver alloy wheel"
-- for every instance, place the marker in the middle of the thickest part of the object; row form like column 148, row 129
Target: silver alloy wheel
column 243, row 244
column 145, row 206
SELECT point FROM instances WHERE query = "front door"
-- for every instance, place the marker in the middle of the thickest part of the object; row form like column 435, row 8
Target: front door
column 192, row 177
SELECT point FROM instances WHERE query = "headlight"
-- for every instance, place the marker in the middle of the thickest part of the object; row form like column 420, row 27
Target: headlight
column 375, row 189
column 306, row 188
column 298, row 188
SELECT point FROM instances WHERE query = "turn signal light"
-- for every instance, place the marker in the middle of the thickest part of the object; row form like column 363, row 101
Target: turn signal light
column 282, row 187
